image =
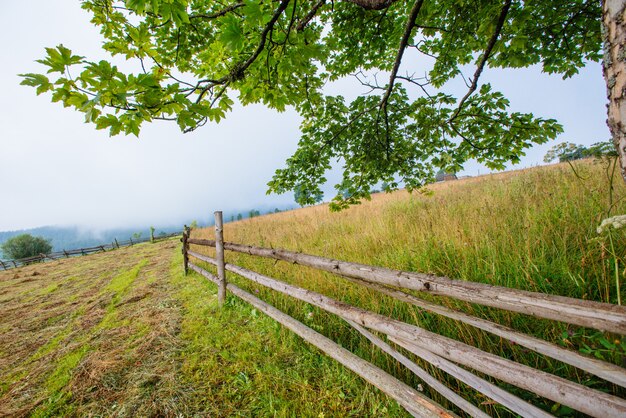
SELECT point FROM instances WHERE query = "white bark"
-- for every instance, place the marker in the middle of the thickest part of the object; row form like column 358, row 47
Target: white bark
column 614, row 68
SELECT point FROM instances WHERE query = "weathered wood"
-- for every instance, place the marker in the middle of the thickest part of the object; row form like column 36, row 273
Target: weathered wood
column 413, row 401
column 442, row 389
column 607, row 371
column 3, row 265
column 117, row 244
column 488, row 389
column 219, row 256
column 185, row 249
column 602, row 316
column 581, row 398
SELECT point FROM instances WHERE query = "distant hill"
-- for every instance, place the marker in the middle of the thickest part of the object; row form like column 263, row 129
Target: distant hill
column 66, row 238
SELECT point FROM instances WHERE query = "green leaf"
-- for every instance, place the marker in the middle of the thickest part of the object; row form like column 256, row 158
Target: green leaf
column 40, row 81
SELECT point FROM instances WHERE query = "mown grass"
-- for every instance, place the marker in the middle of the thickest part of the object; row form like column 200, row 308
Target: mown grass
column 533, row 230
column 126, row 333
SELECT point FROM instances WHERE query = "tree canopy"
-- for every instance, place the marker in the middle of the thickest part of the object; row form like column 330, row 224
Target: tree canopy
column 193, row 58
column 25, row 245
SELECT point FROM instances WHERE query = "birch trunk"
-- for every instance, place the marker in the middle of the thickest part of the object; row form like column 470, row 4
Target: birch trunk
column 614, row 69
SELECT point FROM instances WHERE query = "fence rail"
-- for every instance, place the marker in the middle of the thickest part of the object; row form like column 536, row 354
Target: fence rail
column 9, row 264
column 442, row 352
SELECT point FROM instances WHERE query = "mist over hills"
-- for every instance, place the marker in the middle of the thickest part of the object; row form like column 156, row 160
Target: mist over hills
column 72, row 237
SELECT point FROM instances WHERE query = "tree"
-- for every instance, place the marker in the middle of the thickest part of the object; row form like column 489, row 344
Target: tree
column 195, row 55
column 567, row 151
column 25, row 245
column 304, row 196
column 564, row 151
column 239, row 216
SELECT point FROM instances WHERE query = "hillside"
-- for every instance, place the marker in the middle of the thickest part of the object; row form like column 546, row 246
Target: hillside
column 126, row 333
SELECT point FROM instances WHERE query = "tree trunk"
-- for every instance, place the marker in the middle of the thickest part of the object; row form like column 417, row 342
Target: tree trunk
column 614, row 69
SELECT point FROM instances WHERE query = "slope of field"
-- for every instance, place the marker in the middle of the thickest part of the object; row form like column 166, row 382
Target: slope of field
column 125, row 333
column 532, row 229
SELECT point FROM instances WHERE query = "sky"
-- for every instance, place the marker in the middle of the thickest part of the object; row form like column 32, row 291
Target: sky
column 57, row 170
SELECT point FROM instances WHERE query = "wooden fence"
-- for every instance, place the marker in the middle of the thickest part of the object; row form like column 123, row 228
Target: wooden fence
column 8, row 264
column 453, row 357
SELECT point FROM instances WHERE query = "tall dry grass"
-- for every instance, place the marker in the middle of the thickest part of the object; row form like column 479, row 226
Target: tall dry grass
column 532, row 229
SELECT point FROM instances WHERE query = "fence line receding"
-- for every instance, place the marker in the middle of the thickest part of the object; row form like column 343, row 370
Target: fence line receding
column 9, row 264
column 449, row 355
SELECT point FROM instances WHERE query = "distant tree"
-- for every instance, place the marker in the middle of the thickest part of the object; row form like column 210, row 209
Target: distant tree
column 602, row 149
column 152, row 229
column 305, row 197
column 254, row 213
column 137, row 235
column 232, row 218
column 566, row 151
column 276, row 210
column 239, row 216
column 194, row 224
column 162, row 233
column 25, row 245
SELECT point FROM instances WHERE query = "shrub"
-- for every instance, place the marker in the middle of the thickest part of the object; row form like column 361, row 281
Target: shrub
column 25, row 245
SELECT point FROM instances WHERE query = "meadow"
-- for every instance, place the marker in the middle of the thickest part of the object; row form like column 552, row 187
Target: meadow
column 126, row 333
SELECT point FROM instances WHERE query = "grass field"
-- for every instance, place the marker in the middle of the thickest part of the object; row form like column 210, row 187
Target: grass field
column 125, row 333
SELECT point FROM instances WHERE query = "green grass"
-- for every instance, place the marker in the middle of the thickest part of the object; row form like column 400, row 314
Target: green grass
column 533, row 230
column 126, row 333
column 242, row 363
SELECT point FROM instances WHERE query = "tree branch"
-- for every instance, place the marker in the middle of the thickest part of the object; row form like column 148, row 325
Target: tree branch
column 306, row 19
column 373, row 4
column 239, row 69
column 410, row 24
column 483, row 61
column 219, row 13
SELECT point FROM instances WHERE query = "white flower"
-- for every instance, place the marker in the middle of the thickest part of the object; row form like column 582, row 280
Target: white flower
column 617, row 222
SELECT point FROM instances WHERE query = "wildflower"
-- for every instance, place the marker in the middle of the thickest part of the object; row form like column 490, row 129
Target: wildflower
column 617, row 222
column 309, row 315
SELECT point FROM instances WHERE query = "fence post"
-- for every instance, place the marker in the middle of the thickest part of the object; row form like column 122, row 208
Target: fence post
column 3, row 266
column 117, row 244
column 219, row 256
column 185, row 248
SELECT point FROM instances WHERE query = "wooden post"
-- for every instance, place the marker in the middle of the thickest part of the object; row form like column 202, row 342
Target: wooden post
column 219, row 256
column 66, row 254
column 131, row 240
column 3, row 265
column 117, row 244
column 14, row 263
column 185, row 249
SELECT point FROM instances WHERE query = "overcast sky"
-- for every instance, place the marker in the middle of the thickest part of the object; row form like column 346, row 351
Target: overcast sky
column 56, row 170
